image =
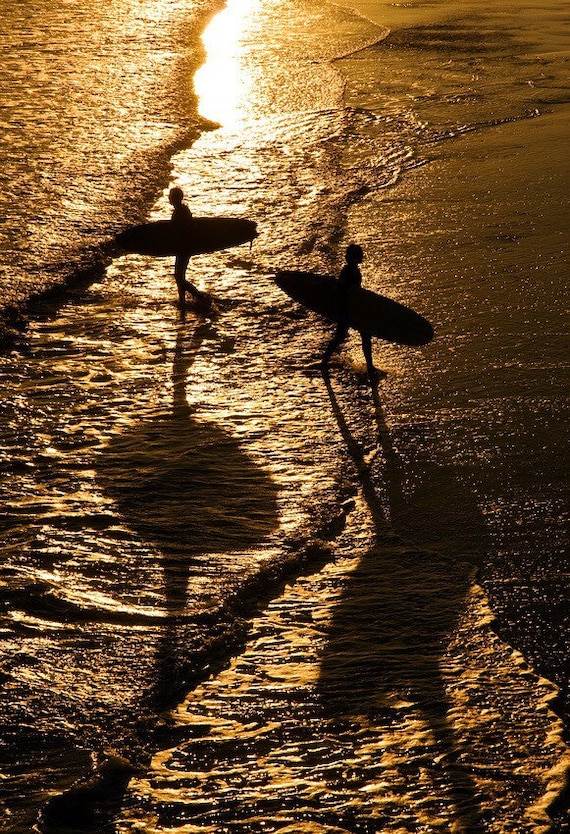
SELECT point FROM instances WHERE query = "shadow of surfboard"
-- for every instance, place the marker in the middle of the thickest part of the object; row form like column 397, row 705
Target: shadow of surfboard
column 188, row 488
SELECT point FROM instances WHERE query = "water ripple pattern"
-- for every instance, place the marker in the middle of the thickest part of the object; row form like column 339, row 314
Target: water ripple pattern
column 166, row 479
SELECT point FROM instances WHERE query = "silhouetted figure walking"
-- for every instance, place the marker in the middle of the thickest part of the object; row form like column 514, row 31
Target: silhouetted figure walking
column 182, row 216
column 350, row 276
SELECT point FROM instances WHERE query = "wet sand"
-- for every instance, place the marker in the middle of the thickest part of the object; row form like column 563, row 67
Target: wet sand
column 494, row 259
column 326, row 722
column 330, row 721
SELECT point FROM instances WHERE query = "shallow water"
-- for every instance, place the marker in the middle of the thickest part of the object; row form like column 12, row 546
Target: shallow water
column 165, row 477
column 92, row 106
column 329, row 722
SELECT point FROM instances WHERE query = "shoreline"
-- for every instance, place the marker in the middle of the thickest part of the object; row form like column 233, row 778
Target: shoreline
column 61, row 280
column 216, row 410
column 59, row 245
column 479, row 162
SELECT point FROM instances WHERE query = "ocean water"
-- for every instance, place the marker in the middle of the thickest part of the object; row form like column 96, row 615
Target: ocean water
column 93, row 104
column 236, row 595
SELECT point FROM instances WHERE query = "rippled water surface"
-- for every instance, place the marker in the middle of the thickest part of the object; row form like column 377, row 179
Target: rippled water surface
column 95, row 98
column 239, row 593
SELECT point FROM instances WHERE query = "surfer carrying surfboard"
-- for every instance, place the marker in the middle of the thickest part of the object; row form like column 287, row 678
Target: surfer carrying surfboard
column 182, row 217
column 350, row 277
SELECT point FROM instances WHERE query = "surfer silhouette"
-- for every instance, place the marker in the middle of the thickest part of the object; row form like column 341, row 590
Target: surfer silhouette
column 182, row 216
column 350, row 276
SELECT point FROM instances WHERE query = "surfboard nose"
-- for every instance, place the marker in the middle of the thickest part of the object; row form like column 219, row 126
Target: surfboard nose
column 251, row 228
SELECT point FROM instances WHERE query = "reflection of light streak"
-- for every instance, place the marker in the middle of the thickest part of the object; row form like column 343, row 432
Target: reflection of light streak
column 222, row 82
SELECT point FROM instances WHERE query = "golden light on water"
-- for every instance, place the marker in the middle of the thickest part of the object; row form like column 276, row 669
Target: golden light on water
column 222, row 83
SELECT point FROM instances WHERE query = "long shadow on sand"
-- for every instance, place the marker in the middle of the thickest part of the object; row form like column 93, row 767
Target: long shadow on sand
column 382, row 662
column 189, row 489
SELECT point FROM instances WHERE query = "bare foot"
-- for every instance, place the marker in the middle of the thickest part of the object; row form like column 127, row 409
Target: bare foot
column 375, row 375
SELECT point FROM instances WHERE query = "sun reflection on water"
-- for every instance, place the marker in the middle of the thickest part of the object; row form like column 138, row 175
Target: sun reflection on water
column 223, row 82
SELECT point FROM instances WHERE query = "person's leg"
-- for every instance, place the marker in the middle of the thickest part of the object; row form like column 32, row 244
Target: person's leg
column 182, row 283
column 182, row 262
column 180, row 265
column 338, row 338
column 193, row 290
column 367, row 350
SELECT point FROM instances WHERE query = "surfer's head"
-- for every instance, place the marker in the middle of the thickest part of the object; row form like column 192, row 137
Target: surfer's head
column 175, row 196
column 354, row 254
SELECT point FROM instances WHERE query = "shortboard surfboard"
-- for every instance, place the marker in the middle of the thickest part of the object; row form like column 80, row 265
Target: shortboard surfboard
column 164, row 238
column 365, row 310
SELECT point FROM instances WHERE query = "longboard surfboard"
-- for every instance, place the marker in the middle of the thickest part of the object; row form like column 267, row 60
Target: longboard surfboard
column 202, row 235
column 365, row 310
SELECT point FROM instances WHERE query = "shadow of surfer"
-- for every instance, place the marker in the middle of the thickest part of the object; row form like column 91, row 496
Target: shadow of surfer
column 390, row 681
column 350, row 277
column 182, row 218
column 189, row 488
